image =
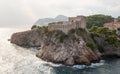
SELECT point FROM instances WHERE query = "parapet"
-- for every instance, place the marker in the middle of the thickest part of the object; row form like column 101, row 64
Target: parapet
column 74, row 19
column 53, row 23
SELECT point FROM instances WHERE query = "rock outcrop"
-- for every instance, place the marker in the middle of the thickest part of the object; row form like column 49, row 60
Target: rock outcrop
column 57, row 47
column 107, row 41
column 68, row 49
column 106, row 49
column 70, row 52
column 28, row 38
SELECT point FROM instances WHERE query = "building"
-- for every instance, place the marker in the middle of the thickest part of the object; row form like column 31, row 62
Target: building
column 112, row 25
column 72, row 23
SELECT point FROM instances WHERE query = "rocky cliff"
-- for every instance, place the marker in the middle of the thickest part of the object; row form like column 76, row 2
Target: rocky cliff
column 57, row 47
column 68, row 49
column 27, row 38
column 106, row 49
column 107, row 41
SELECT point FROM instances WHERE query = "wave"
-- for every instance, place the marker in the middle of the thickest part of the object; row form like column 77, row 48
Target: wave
column 93, row 65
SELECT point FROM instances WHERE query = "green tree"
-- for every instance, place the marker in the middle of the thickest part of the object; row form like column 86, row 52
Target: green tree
column 109, row 35
column 98, row 20
column 34, row 26
column 90, row 44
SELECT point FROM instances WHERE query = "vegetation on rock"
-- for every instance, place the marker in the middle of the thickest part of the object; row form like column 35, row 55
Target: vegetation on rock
column 105, row 38
column 86, row 37
column 109, row 35
column 98, row 20
column 91, row 44
column 63, row 36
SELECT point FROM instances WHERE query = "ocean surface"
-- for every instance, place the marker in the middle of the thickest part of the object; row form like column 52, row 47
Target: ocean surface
column 19, row 60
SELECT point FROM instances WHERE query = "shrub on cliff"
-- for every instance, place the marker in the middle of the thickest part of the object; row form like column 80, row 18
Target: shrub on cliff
column 34, row 27
column 86, row 37
column 102, row 31
column 109, row 36
column 112, row 39
column 56, row 34
column 39, row 27
column 82, row 32
column 91, row 44
column 45, row 29
column 63, row 36
column 72, row 31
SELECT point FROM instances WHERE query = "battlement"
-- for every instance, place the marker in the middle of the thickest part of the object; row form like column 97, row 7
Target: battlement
column 74, row 19
column 72, row 23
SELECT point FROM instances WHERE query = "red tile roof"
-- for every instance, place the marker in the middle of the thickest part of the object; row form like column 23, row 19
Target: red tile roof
column 112, row 24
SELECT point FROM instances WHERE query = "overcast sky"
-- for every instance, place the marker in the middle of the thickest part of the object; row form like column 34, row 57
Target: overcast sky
column 26, row 12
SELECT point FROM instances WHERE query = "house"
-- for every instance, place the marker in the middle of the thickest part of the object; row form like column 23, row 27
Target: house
column 112, row 25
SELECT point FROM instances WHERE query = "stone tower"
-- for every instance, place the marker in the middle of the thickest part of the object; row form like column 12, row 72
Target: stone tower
column 80, row 21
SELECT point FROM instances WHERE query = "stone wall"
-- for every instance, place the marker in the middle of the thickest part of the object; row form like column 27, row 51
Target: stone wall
column 72, row 23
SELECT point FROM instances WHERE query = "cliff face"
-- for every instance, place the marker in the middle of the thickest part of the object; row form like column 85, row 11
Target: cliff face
column 72, row 50
column 106, row 40
column 27, row 38
column 107, row 50
column 57, row 47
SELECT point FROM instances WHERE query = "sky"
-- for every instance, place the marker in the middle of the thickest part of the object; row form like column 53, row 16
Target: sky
column 27, row 12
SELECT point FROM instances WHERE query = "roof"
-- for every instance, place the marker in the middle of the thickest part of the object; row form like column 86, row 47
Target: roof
column 112, row 24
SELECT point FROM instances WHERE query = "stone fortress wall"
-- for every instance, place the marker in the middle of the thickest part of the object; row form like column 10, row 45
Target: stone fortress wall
column 72, row 23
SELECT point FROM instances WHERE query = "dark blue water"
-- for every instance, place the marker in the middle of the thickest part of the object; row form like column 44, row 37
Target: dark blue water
column 18, row 60
column 109, row 67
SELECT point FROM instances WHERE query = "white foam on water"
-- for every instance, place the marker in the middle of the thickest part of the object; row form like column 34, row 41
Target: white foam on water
column 19, row 60
column 93, row 65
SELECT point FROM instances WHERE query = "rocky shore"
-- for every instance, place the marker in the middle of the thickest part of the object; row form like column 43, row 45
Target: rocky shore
column 76, row 47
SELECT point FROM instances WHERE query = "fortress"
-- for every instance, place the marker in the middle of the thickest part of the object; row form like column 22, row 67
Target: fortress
column 72, row 23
